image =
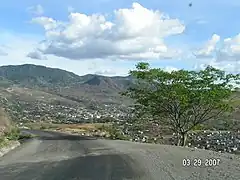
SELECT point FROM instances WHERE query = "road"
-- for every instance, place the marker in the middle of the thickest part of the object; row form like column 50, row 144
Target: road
column 55, row 156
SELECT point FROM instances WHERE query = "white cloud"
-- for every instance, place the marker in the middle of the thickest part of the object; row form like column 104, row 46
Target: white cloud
column 48, row 24
column 228, row 66
column 36, row 55
column 209, row 48
column 36, row 10
column 230, row 50
column 18, row 47
column 136, row 33
column 225, row 57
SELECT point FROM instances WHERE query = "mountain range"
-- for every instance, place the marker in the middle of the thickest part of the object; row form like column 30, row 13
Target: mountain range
column 64, row 83
column 29, row 74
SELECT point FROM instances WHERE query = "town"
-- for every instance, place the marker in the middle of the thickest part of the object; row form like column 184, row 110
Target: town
column 23, row 111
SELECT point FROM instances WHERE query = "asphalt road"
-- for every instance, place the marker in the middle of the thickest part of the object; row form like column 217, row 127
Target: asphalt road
column 55, row 156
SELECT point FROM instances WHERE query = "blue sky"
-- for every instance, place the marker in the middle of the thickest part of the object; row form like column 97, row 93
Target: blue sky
column 201, row 30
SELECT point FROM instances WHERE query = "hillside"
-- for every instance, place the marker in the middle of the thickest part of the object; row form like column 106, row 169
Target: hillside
column 5, row 122
column 30, row 75
column 64, row 83
column 36, row 75
column 33, row 93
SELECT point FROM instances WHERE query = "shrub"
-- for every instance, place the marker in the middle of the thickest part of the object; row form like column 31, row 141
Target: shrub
column 13, row 134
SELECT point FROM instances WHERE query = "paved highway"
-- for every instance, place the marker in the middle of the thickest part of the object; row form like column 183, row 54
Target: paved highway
column 56, row 156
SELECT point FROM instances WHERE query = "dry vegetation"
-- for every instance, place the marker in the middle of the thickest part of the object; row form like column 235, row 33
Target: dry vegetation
column 8, row 131
column 5, row 123
column 77, row 128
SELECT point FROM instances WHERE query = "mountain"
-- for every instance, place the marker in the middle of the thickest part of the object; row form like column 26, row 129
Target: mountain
column 64, row 83
column 29, row 74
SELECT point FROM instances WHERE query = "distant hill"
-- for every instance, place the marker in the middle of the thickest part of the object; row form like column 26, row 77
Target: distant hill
column 29, row 74
column 64, row 83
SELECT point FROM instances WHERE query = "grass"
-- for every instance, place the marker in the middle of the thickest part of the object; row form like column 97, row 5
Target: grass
column 13, row 134
column 112, row 131
column 9, row 131
column 3, row 141
column 50, row 126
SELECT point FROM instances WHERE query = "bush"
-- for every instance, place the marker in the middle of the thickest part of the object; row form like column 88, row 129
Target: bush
column 114, row 132
column 198, row 127
column 117, row 134
column 13, row 134
column 42, row 127
column 3, row 141
column 5, row 121
column 25, row 136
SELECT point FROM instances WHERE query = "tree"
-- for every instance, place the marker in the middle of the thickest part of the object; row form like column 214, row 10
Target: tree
column 182, row 99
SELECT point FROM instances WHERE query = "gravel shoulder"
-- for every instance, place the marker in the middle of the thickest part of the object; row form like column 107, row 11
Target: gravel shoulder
column 55, row 156
column 10, row 145
column 166, row 162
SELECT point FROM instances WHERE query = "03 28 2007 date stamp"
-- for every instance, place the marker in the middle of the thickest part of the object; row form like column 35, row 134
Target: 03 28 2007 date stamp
column 199, row 162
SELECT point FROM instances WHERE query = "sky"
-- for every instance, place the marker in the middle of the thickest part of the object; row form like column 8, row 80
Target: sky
column 108, row 37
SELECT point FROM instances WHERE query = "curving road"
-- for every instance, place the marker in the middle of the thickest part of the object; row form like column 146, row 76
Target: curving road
column 55, row 156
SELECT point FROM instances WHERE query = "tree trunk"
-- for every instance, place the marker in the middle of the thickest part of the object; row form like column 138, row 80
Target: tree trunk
column 183, row 138
column 178, row 139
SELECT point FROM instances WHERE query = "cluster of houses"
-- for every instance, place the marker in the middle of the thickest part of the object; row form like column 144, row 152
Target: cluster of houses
column 222, row 141
column 24, row 111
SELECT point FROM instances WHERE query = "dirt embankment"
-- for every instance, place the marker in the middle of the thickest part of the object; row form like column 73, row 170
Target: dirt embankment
column 8, row 133
column 5, row 122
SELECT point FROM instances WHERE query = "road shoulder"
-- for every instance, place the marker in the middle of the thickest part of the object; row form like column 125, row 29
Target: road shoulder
column 8, row 146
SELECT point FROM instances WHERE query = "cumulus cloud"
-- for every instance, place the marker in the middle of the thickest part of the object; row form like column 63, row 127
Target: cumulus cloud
column 36, row 10
column 210, row 47
column 135, row 33
column 36, row 55
column 18, row 47
column 228, row 66
column 47, row 23
column 230, row 50
column 225, row 57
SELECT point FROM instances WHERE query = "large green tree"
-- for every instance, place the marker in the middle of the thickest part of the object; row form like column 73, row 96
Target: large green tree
column 182, row 99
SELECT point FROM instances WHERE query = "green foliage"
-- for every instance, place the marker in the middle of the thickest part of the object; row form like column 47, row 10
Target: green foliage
column 183, row 98
column 13, row 134
column 43, row 127
column 26, row 136
column 198, row 127
column 103, row 127
column 3, row 141
column 114, row 132
column 5, row 83
column 38, row 75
